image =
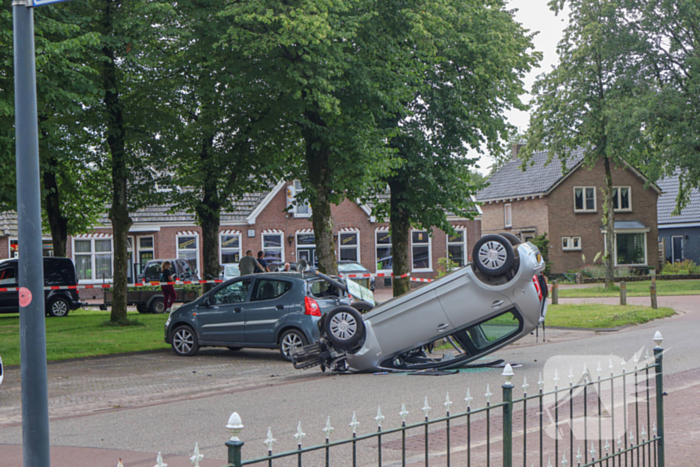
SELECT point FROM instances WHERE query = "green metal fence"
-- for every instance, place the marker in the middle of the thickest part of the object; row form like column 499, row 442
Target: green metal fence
column 599, row 420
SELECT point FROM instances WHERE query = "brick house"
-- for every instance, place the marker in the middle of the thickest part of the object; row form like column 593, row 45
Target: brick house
column 568, row 207
column 266, row 221
column 679, row 236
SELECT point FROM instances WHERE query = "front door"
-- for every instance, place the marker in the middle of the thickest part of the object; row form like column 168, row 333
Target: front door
column 677, row 249
column 269, row 306
column 223, row 319
column 308, row 254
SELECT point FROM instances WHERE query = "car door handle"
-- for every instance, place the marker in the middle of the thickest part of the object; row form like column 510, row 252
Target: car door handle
column 497, row 303
column 442, row 327
column 280, row 307
column 238, row 309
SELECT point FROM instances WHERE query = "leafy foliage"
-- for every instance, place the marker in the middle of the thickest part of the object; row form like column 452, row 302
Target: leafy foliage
column 542, row 244
column 682, row 267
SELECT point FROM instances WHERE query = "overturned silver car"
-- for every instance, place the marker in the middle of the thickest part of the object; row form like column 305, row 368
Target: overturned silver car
column 476, row 310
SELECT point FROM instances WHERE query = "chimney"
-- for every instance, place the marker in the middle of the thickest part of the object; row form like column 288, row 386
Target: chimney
column 516, row 147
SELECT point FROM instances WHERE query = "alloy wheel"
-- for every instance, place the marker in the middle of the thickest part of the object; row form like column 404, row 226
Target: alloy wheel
column 291, row 342
column 492, row 255
column 183, row 341
column 343, row 326
column 59, row 308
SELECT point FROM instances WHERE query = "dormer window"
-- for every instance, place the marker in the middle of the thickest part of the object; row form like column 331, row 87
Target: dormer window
column 584, row 199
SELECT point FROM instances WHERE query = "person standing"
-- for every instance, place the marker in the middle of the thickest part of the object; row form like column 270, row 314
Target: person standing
column 262, row 262
column 248, row 265
column 166, row 275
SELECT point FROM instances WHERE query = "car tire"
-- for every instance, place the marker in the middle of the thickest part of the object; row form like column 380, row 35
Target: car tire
column 344, row 327
column 513, row 239
column 493, row 255
column 362, row 306
column 184, row 342
column 141, row 308
column 157, row 305
column 290, row 340
column 58, row 307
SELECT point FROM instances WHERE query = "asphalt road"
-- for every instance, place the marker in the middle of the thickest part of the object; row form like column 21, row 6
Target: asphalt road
column 146, row 413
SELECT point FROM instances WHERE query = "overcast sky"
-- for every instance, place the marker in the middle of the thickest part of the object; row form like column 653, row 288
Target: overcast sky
column 534, row 15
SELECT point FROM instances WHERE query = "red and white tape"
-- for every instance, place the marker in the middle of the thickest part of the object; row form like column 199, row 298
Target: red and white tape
column 418, row 279
column 380, row 274
column 109, row 286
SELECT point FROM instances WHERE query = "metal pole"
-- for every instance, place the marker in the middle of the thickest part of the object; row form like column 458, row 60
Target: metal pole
column 35, row 399
column 659, row 356
column 623, row 293
column 555, row 292
column 234, row 453
column 508, row 418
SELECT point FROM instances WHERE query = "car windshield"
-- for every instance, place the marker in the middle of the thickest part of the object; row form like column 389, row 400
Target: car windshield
column 231, row 270
column 347, row 267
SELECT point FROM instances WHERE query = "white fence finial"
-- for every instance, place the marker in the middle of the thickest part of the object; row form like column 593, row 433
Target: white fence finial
column 159, row 461
column 508, row 373
column 299, row 434
column 354, row 423
column 426, row 408
column 525, row 385
column 119, row 464
column 328, row 429
column 468, row 399
column 488, row 395
column 447, row 402
column 234, row 425
column 379, row 418
column 403, row 412
column 269, row 441
column 658, row 339
column 197, row 456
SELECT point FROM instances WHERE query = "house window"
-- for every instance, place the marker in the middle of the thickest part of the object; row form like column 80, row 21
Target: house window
column 188, row 249
column 145, row 251
column 93, row 258
column 420, row 250
column 46, row 248
column 622, row 198
column 272, row 247
column 457, row 247
column 570, row 243
column 584, row 199
column 383, row 248
column 508, row 215
column 631, row 248
column 306, row 247
column 349, row 246
column 299, row 208
column 230, row 248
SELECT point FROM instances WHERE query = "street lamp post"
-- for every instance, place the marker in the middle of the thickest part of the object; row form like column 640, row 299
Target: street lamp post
column 32, row 326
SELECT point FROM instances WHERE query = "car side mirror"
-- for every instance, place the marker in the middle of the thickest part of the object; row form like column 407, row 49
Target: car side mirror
column 206, row 302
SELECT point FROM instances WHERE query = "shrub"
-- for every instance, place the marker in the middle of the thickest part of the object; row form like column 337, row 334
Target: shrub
column 446, row 266
column 684, row 267
column 542, row 244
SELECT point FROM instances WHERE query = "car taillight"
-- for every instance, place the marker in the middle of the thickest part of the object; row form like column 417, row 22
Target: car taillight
column 536, row 281
column 312, row 308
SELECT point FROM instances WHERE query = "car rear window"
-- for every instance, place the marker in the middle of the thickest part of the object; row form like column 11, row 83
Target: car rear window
column 8, row 276
column 320, row 289
column 59, row 272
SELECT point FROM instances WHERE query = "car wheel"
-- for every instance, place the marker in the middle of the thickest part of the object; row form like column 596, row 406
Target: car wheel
column 157, row 306
column 493, row 255
column 290, row 341
column 59, row 307
column 513, row 239
column 185, row 342
column 141, row 308
column 344, row 327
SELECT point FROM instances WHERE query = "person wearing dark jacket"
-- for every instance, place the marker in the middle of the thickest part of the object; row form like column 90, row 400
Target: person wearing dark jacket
column 166, row 275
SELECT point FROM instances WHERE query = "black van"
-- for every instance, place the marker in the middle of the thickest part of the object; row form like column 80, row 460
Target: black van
column 57, row 271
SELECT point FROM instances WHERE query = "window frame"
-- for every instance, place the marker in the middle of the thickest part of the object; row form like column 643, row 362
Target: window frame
column 223, row 249
column 281, row 248
column 508, row 215
column 295, row 206
column 463, row 243
column 623, row 232
column 595, row 199
column 570, row 243
column 196, row 249
column 618, row 197
column 93, row 254
column 383, row 245
column 44, row 238
column 351, row 247
column 430, row 252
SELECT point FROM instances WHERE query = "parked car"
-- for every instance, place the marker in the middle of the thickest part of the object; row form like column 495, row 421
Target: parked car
column 230, row 271
column 57, row 272
column 265, row 310
column 353, row 267
column 477, row 309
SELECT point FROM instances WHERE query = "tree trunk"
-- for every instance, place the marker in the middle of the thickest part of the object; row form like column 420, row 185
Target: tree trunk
column 57, row 222
column 209, row 216
column 119, row 212
column 609, row 217
column 317, row 161
column 400, row 241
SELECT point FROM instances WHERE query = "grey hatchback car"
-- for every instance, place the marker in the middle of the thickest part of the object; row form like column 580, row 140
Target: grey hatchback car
column 268, row 310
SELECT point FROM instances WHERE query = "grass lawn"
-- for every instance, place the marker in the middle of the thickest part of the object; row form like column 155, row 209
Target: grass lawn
column 602, row 316
column 82, row 334
column 635, row 289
